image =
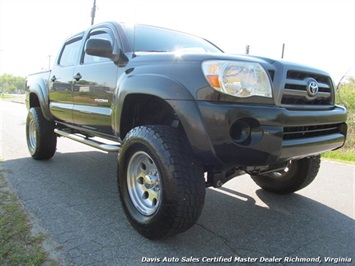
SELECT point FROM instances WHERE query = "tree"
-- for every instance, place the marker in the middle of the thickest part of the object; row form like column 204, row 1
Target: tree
column 347, row 92
column 12, row 84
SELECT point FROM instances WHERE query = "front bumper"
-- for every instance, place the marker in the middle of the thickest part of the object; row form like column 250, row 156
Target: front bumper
column 252, row 135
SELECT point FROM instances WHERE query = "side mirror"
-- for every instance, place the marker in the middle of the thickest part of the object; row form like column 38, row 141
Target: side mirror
column 99, row 47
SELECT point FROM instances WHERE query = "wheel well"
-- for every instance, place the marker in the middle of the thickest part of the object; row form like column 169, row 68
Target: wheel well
column 33, row 100
column 141, row 110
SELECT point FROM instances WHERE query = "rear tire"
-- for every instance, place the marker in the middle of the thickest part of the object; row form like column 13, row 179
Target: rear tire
column 297, row 175
column 161, row 185
column 41, row 139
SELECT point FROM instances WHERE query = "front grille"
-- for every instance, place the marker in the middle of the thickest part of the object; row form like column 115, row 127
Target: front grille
column 311, row 131
column 298, row 75
column 295, row 89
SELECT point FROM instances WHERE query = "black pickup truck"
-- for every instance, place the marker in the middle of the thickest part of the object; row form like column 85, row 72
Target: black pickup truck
column 182, row 116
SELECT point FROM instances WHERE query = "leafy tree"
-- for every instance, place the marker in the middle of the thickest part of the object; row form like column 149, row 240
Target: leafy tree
column 12, row 84
column 346, row 93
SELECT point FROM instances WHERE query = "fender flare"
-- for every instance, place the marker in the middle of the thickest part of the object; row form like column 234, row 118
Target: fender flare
column 150, row 84
column 175, row 95
column 40, row 89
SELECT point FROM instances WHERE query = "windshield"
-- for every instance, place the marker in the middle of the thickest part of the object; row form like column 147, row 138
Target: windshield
column 154, row 39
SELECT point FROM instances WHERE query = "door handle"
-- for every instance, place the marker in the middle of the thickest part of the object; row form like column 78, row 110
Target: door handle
column 77, row 77
column 54, row 78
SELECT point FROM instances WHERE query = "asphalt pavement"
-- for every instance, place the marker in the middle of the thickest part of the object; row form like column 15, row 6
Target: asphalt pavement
column 73, row 199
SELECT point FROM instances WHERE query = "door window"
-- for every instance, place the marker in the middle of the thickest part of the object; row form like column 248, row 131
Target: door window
column 70, row 53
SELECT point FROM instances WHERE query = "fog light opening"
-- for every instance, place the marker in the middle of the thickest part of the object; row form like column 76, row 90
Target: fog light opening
column 240, row 132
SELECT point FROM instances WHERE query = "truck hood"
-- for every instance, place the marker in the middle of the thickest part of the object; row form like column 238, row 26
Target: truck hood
column 196, row 57
column 176, row 57
column 289, row 80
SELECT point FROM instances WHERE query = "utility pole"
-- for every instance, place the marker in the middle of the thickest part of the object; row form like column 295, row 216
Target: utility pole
column 93, row 11
column 247, row 47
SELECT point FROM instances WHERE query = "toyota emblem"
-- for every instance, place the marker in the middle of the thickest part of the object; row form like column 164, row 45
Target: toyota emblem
column 312, row 88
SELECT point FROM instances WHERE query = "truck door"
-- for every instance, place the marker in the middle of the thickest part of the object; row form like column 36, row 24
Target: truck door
column 94, row 85
column 60, row 81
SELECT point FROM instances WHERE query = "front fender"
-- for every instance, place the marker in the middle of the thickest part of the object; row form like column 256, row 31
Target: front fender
column 37, row 94
column 177, row 97
column 149, row 84
column 152, row 84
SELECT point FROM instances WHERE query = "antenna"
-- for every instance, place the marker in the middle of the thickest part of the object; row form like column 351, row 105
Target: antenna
column 93, row 11
column 49, row 62
column 134, row 41
column 283, row 51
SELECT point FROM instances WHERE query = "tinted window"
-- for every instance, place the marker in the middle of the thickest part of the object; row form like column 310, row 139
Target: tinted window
column 153, row 39
column 70, row 53
column 89, row 59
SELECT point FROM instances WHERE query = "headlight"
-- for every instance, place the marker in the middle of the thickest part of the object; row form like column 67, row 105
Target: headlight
column 236, row 78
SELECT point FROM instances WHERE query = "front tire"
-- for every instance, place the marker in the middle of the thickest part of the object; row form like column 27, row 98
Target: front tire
column 297, row 175
column 41, row 139
column 161, row 185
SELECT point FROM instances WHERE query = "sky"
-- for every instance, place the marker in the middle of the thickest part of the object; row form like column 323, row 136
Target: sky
column 318, row 33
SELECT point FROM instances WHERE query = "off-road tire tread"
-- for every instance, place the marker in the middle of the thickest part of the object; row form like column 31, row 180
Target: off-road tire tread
column 46, row 138
column 305, row 172
column 187, row 184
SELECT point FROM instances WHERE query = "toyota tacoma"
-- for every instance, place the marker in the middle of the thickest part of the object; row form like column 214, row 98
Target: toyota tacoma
column 182, row 116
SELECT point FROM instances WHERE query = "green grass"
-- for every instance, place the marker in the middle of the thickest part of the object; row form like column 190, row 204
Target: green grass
column 11, row 96
column 340, row 155
column 5, row 96
column 346, row 96
column 17, row 245
column 347, row 152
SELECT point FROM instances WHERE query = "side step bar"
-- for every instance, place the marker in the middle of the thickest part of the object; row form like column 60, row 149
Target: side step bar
column 93, row 143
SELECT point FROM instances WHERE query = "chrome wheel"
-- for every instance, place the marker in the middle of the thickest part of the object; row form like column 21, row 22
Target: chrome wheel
column 40, row 137
column 32, row 135
column 143, row 183
column 161, row 184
